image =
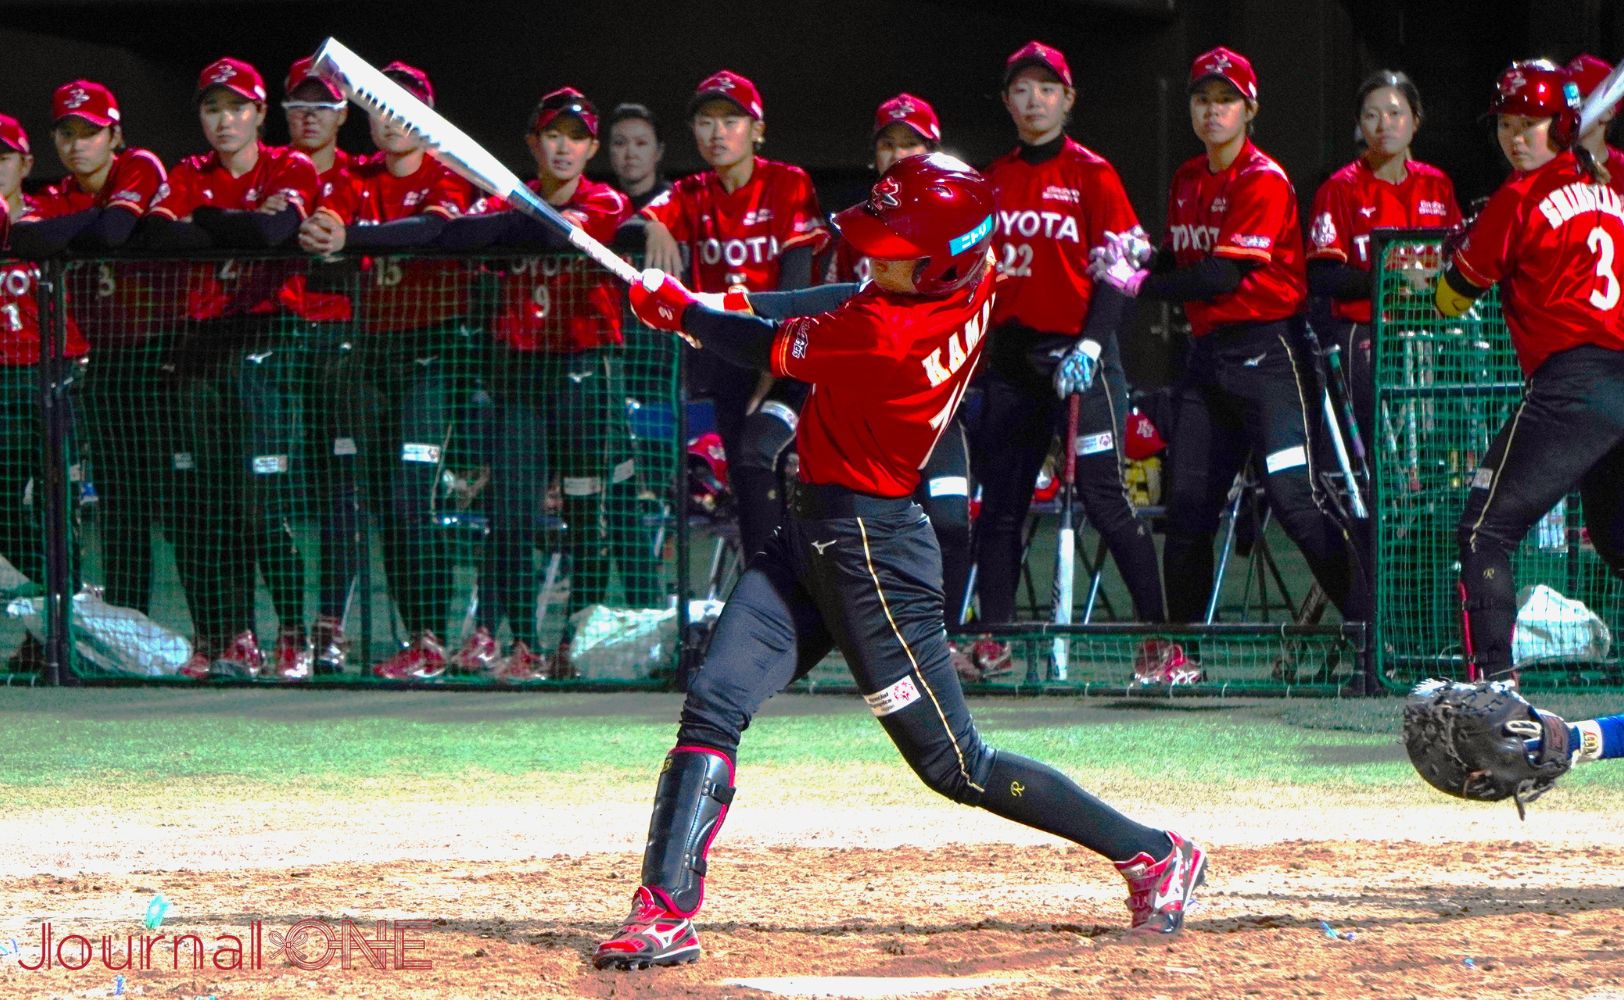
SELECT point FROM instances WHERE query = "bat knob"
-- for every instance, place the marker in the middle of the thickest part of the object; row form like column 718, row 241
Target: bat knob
column 652, row 279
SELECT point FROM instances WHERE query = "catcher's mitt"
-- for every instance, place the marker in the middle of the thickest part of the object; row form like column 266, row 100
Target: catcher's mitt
column 1483, row 741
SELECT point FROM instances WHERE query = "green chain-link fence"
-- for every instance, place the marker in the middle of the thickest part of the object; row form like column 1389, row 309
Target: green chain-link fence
column 1444, row 387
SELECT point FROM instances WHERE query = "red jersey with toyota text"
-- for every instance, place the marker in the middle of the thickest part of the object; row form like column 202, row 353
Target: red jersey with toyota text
column 1049, row 215
column 236, row 287
column 1354, row 201
column 737, row 238
column 563, row 303
column 1551, row 238
column 1246, row 212
column 407, row 293
column 19, row 307
column 122, row 303
column 323, row 306
column 888, row 372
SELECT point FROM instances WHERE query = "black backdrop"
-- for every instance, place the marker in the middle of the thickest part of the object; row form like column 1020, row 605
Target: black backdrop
column 822, row 66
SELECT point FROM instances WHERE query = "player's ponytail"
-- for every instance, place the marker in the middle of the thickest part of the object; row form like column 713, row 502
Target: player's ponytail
column 1592, row 166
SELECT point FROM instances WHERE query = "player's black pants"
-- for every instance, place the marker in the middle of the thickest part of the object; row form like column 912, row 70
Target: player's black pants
column 125, row 415
column 861, row 574
column 1567, row 431
column 753, row 465
column 1246, row 391
column 236, row 494
column 562, row 414
column 327, row 386
column 1019, row 418
column 400, row 417
column 944, row 493
column 1358, row 366
column 22, row 498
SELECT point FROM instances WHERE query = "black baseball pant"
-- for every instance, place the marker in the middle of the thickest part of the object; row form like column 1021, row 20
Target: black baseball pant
column 862, row 574
column 1568, row 430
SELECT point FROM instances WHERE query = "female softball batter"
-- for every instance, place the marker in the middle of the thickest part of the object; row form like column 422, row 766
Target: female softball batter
column 856, row 564
column 1549, row 237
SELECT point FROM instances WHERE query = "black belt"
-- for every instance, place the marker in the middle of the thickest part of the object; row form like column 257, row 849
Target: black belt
column 814, row 501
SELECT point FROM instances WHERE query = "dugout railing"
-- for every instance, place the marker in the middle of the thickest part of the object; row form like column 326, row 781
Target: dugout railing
column 1443, row 389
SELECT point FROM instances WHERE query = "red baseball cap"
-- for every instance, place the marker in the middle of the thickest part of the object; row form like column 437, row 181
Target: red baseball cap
column 729, row 86
column 1228, row 65
column 1035, row 53
column 234, row 75
column 1141, row 438
column 413, row 79
column 565, row 101
column 914, row 112
column 304, row 70
column 85, row 99
column 1587, row 72
column 12, row 135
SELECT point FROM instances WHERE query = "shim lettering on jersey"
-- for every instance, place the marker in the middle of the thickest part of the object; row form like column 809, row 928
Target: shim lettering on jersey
column 738, row 237
column 406, row 293
column 1050, row 215
column 564, row 303
column 1354, row 202
column 236, row 287
column 888, row 373
column 1246, row 212
column 1551, row 239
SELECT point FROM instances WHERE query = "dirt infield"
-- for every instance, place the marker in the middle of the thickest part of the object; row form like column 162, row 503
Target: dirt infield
column 1039, row 919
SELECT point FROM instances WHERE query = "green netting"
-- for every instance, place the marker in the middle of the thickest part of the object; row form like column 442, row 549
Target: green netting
column 1444, row 387
column 436, row 445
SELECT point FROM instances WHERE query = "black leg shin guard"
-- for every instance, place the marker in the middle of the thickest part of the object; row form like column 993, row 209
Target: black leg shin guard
column 690, row 801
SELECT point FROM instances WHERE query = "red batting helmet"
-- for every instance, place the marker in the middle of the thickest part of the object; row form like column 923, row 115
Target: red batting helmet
column 707, row 472
column 1537, row 88
column 933, row 207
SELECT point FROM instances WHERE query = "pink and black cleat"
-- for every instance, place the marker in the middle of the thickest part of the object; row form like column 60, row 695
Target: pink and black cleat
column 654, row 934
column 1160, row 892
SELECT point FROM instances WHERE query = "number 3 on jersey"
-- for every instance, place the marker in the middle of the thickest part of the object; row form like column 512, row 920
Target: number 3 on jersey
column 1017, row 260
column 1605, row 297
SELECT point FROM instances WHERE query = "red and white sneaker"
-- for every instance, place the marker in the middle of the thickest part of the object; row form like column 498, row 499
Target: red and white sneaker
column 197, row 668
column 992, row 658
column 329, row 646
column 521, row 665
column 1161, row 661
column 240, row 659
column 477, row 655
column 294, row 658
column 423, row 659
column 654, row 934
column 1161, row 892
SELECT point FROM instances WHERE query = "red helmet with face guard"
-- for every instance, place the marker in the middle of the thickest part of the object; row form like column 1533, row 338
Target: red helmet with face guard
column 932, row 208
column 1538, row 88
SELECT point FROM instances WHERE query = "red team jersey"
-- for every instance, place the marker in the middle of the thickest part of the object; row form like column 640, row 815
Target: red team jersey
column 1553, row 237
column 848, row 265
column 296, row 296
column 1354, row 201
column 1246, row 212
column 564, row 303
column 407, row 293
column 1049, row 215
column 737, row 238
column 236, row 287
column 887, row 372
column 19, row 308
column 125, row 303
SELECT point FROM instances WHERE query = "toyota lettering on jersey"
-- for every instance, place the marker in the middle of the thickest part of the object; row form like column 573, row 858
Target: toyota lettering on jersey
column 19, row 308
column 888, row 372
column 237, row 287
column 1247, row 212
column 737, row 238
column 1551, row 239
column 1049, row 216
column 296, row 295
column 563, row 303
column 116, row 303
column 1354, row 202
column 407, row 293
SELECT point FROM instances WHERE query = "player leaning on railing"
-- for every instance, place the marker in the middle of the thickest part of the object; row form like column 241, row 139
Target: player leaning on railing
column 855, row 565
column 413, row 328
column 237, row 437
column 123, row 309
column 22, row 527
column 1550, row 238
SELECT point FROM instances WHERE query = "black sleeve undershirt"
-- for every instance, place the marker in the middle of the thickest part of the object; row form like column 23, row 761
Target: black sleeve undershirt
column 632, row 236
column 1106, row 310
column 157, row 232
column 48, row 237
column 1336, row 280
column 471, row 232
column 248, row 230
column 416, row 231
column 795, row 268
column 1212, row 277
column 802, row 301
column 736, row 337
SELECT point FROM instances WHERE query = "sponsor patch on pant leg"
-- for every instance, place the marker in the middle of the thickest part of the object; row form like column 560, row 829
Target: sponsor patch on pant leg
column 950, row 486
column 413, row 451
column 1287, row 458
column 1094, row 444
column 893, row 698
column 582, row 486
column 1483, row 479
